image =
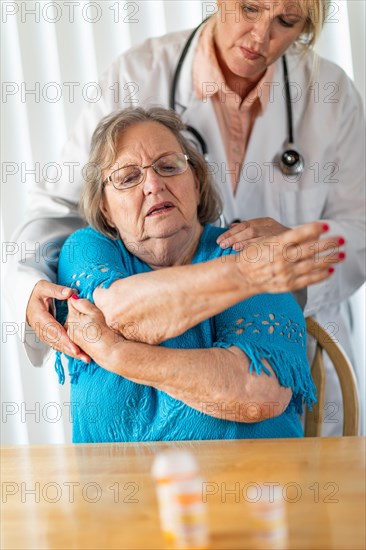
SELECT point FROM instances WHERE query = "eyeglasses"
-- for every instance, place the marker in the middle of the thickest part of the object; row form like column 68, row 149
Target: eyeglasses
column 133, row 174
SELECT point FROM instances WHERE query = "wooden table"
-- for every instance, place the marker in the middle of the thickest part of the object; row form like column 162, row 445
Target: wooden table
column 102, row 496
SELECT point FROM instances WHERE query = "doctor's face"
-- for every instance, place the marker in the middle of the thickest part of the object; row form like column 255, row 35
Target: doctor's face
column 160, row 207
column 251, row 34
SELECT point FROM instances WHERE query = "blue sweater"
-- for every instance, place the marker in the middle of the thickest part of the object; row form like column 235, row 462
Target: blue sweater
column 107, row 407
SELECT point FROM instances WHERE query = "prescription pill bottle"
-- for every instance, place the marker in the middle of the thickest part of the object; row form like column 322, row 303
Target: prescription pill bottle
column 183, row 514
column 267, row 517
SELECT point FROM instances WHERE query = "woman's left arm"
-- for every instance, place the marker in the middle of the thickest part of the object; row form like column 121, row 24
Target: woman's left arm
column 215, row 381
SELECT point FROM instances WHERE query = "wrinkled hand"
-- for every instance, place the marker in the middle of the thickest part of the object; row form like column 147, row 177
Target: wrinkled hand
column 86, row 327
column 43, row 322
column 291, row 260
column 243, row 233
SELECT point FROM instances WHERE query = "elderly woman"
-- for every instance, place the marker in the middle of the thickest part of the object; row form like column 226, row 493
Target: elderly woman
column 242, row 372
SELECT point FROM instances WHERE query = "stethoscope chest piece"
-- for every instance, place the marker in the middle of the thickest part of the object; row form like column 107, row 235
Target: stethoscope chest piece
column 291, row 162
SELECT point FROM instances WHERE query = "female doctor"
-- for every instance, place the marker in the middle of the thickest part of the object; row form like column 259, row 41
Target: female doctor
column 281, row 129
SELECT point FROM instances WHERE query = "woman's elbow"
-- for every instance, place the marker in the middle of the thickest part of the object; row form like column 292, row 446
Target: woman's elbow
column 241, row 405
column 251, row 397
column 257, row 406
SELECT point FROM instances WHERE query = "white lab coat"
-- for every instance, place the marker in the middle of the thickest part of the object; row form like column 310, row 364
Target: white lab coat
column 329, row 133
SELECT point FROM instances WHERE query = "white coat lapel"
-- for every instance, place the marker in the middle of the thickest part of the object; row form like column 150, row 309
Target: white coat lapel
column 257, row 194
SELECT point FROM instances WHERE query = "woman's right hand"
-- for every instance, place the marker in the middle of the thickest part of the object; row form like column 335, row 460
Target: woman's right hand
column 292, row 260
column 47, row 329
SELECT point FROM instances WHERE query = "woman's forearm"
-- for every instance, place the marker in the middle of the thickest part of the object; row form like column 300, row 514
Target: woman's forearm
column 213, row 381
column 153, row 307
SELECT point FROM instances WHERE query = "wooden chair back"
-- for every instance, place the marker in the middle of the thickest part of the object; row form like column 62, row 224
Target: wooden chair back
column 347, row 380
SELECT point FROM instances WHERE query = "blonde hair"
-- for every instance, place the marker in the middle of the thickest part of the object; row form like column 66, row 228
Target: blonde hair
column 315, row 12
column 104, row 152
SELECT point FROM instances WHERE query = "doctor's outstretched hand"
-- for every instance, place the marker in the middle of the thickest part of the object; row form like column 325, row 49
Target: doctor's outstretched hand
column 291, row 260
column 241, row 234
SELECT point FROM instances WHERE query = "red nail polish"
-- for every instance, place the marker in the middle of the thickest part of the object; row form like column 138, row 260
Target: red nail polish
column 325, row 227
column 341, row 241
column 331, row 270
column 341, row 255
column 75, row 297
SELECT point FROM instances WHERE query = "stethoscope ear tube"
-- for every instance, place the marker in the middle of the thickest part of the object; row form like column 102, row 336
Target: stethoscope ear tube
column 291, row 161
column 200, row 140
column 179, row 66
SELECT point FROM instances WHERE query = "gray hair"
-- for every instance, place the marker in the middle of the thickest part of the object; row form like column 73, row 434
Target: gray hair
column 103, row 154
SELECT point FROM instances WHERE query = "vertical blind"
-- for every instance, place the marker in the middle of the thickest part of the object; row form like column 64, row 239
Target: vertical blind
column 52, row 54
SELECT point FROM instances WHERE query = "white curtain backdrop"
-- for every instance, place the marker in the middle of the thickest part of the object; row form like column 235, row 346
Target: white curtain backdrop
column 52, row 52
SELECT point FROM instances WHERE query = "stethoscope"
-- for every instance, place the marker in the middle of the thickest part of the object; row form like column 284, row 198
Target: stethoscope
column 291, row 162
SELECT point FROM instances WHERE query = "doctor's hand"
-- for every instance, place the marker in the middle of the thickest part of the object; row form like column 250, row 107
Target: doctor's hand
column 241, row 234
column 292, row 260
column 47, row 329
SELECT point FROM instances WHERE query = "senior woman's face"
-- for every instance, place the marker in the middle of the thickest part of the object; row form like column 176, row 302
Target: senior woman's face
column 159, row 207
column 251, row 34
